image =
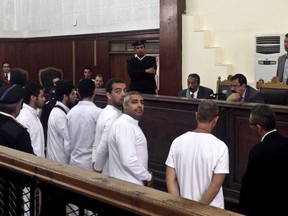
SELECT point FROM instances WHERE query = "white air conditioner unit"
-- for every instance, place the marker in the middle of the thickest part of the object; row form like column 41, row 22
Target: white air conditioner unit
column 268, row 49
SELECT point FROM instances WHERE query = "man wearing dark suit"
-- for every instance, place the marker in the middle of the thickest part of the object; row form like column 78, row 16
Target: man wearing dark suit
column 8, row 76
column 264, row 185
column 13, row 135
column 282, row 66
column 194, row 89
column 240, row 91
column 142, row 70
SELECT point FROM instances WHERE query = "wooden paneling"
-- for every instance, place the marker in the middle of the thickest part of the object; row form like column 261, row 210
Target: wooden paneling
column 171, row 46
column 102, row 59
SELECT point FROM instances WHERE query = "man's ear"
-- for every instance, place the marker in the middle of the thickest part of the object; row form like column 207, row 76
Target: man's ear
column 108, row 95
column 196, row 116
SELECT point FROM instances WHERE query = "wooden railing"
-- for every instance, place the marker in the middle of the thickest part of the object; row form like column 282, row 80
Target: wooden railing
column 98, row 193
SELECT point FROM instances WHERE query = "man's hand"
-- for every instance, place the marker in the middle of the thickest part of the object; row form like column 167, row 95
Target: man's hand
column 151, row 70
column 234, row 97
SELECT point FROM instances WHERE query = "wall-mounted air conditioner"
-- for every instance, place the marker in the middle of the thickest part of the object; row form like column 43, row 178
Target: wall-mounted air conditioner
column 267, row 50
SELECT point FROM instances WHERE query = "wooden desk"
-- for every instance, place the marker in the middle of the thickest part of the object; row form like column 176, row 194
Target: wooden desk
column 166, row 117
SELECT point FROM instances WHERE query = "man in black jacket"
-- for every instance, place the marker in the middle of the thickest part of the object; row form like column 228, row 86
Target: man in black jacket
column 194, row 89
column 142, row 70
column 264, row 185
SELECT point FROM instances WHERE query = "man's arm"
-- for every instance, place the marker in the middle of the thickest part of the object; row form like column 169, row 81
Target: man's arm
column 172, row 182
column 213, row 189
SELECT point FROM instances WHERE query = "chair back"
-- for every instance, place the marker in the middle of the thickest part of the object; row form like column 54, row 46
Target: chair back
column 46, row 76
column 223, row 87
column 19, row 76
column 274, row 92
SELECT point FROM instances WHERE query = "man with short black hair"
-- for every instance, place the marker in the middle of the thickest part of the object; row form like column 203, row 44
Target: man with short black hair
column 282, row 66
column 58, row 137
column 195, row 90
column 241, row 92
column 28, row 116
column 142, row 70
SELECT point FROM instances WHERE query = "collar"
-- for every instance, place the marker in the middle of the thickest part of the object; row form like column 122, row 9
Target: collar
column 59, row 103
column 6, row 114
column 31, row 109
column 136, row 56
column 267, row 134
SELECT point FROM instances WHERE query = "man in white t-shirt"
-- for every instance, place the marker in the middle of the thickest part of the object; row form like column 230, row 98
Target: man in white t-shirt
column 198, row 161
column 115, row 92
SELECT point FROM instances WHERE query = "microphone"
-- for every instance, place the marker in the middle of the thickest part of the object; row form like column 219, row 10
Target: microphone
column 223, row 92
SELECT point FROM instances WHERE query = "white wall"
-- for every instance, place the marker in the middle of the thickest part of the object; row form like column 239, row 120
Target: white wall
column 36, row 18
column 232, row 26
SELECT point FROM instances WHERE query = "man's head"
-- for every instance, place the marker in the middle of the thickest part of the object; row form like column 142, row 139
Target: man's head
column 65, row 92
column 208, row 112
column 87, row 73
column 86, row 88
column 6, row 66
column 11, row 99
column 238, row 84
column 193, row 82
column 115, row 92
column 133, row 104
column 286, row 42
column 34, row 95
column 139, row 47
column 99, row 81
column 262, row 119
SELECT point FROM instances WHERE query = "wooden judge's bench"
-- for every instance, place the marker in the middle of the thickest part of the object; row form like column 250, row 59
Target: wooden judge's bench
column 166, row 117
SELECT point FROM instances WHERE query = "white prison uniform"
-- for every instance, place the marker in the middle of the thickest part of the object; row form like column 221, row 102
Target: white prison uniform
column 29, row 118
column 195, row 157
column 100, row 147
column 128, row 154
column 58, row 138
column 82, row 120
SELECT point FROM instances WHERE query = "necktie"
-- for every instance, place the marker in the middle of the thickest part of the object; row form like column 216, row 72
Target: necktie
column 6, row 77
column 192, row 95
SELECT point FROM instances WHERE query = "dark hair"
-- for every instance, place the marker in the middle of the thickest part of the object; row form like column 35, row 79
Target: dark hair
column 207, row 111
column 196, row 76
column 110, row 82
column 87, row 68
column 86, row 88
column 241, row 78
column 286, row 35
column 6, row 62
column 63, row 87
column 264, row 116
column 31, row 89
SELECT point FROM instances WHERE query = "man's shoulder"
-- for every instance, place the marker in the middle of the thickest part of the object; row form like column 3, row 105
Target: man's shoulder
column 205, row 88
column 182, row 93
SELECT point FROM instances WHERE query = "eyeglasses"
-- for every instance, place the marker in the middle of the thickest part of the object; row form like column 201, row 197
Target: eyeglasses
column 235, row 86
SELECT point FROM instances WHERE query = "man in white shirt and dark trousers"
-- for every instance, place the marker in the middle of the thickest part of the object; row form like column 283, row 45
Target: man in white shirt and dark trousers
column 128, row 154
column 115, row 92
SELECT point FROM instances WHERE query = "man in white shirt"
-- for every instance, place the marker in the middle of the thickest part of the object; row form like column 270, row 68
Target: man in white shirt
column 28, row 117
column 58, row 138
column 82, row 120
column 115, row 92
column 198, row 161
column 128, row 154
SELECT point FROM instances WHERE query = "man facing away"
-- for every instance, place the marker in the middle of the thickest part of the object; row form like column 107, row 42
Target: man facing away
column 142, row 70
column 195, row 90
column 128, row 154
column 264, row 184
column 115, row 92
column 82, row 120
column 28, row 116
column 58, row 138
column 240, row 91
column 282, row 66
column 198, row 161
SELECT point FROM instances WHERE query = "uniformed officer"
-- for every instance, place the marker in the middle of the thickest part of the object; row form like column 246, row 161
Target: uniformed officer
column 12, row 133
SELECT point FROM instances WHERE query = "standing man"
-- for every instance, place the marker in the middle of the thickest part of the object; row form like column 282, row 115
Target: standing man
column 282, row 67
column 58, row 138
column 198, row 161
column 194, row 89
column 13, row 134
column 241, row 92
column 33, row 100
column 115, row 92
column 128, row 154
column 87, row 72
column 142, row 70
column 264, row 184
column 16, row 136
column 82, row 120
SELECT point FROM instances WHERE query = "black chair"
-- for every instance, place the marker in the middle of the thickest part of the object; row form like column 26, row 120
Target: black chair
column 46, row 76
